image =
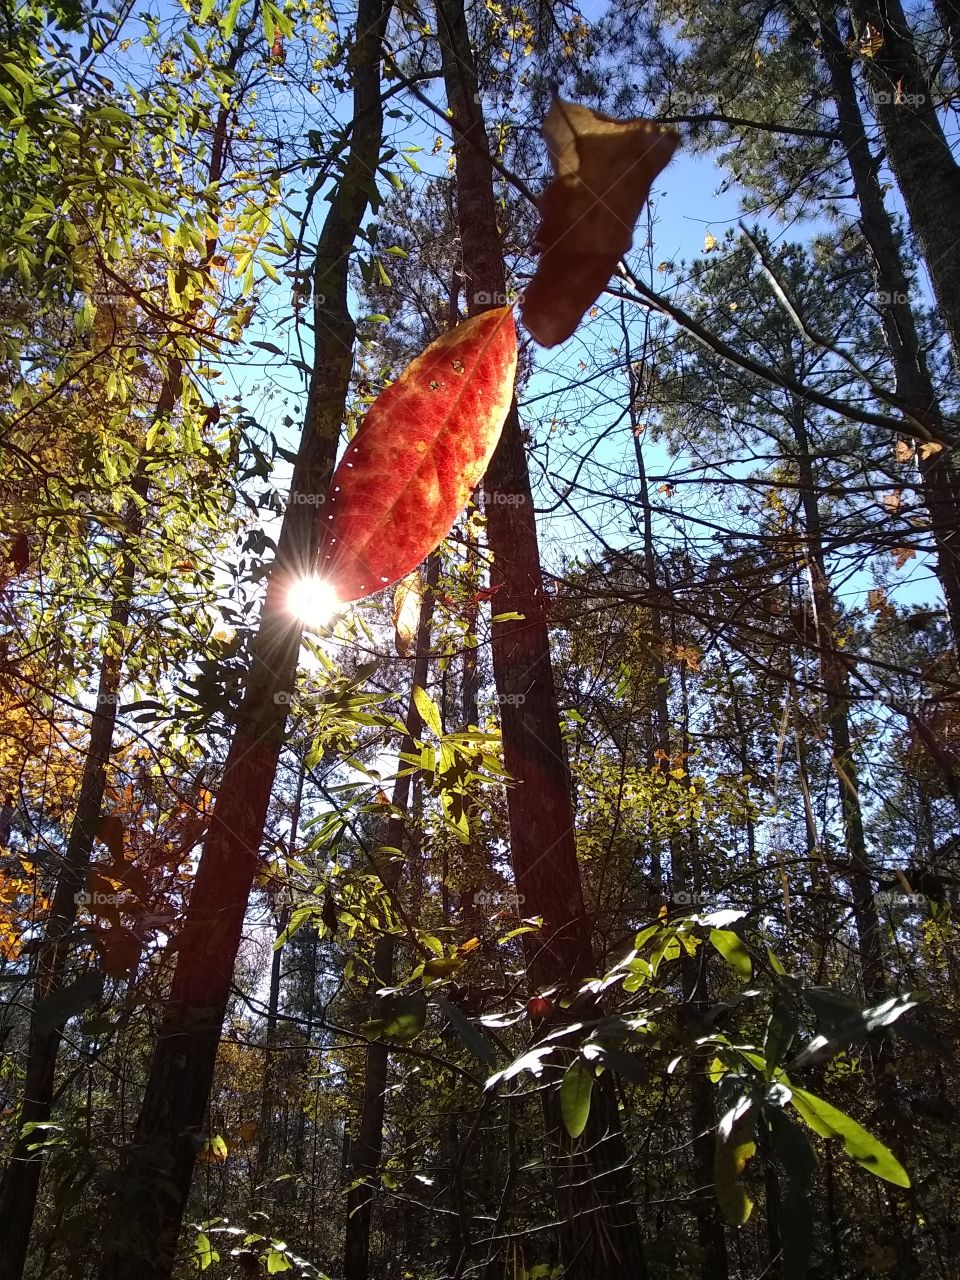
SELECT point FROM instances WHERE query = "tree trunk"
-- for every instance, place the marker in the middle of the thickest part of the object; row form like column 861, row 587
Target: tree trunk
column 598, row 1227
column 160, row 1162
column 268, row 1093
column 367, row 1149
column 835, row 682
column 21, row 1181
column 917, row 150
column 914, row 385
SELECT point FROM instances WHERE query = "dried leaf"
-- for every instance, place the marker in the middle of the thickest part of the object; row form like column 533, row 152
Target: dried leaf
column 407, row 597
column 877, row 600
column 929, row 448
column 709, row 242
column 604, row 169
column 891, row 501
column 901, row 555
column 871, row 42
column 903, row 450
column 420, row 452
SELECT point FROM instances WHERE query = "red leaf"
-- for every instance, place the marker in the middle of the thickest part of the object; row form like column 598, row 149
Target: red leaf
column 422, row 449
column 604, row 170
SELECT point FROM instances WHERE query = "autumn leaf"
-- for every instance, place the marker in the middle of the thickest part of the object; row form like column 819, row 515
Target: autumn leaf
column 213, row 1151
column 418, row 455
column 407, row 597
column 903, row 451
column 901, row 555
column 709, row 242
column 929, row 448
column 871, row 41
column 892, row 501
column 604, row 169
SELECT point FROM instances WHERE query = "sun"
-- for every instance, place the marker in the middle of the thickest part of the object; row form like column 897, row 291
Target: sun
column 313, row 601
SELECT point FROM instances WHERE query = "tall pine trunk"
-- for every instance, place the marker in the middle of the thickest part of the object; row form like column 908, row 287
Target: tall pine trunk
column 836, row 697
column 160, row 1161
column 598, row 1229
column 917, row 150
column 941, row 489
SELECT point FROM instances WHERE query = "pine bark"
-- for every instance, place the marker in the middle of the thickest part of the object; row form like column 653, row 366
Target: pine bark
column 598, row 1228
column 914, row 385
column 917, row 149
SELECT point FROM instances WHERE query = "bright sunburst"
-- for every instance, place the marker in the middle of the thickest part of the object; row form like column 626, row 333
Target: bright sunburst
column 313, row 601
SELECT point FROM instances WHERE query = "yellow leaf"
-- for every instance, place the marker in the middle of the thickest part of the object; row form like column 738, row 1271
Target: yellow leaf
column 709, row 242
column 903, row 450
column 929, row 448
column 407, row 598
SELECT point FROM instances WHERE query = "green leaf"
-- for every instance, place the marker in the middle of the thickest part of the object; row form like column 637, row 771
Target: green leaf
column 576, row 1090
column 781, row 1030
column 429, row 711
column 229, row 21
column 628, row 1065
column 473, row 1039
column 277, row 1260
column 204, row 1254
column 403, row 1020
column 205, row 10
column 861, row 1023
column 799, row 1160
column 731, row 947
column 861, row 1146
column 734, row 1147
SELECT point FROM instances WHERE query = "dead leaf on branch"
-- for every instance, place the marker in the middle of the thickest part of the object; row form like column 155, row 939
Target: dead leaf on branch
column 604, row 169
column 901, row 555
column 418, row 455
column 929, row 448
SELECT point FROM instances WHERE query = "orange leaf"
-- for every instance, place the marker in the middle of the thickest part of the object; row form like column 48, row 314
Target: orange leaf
column 892, row 501
column 420, row 452
column 901, row 555
column 903, row 450
column 604, row 169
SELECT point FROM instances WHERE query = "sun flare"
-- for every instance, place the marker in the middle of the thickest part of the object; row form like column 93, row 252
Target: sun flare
column 313, row 601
